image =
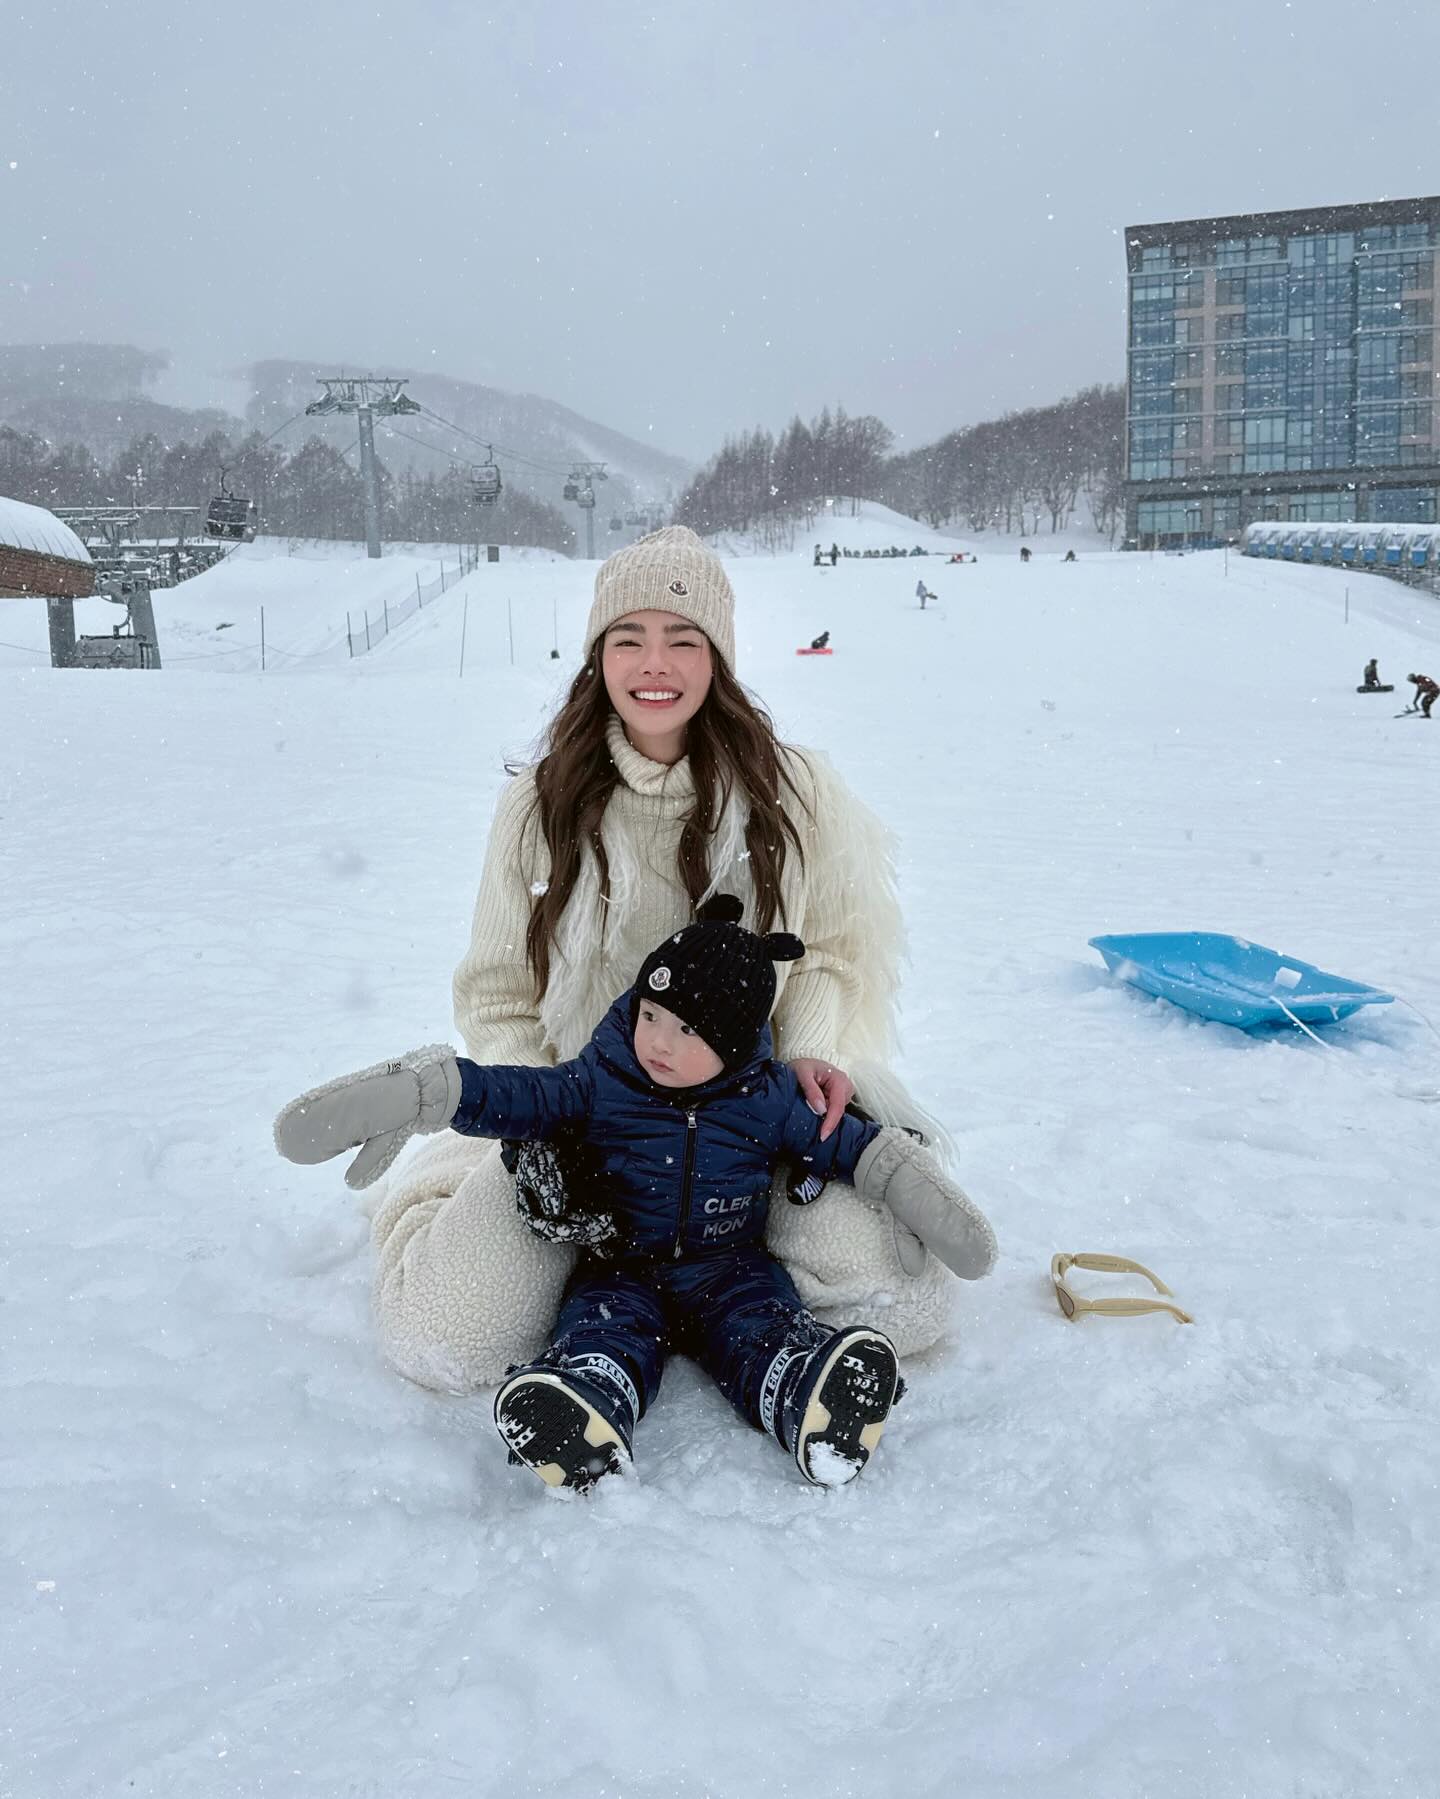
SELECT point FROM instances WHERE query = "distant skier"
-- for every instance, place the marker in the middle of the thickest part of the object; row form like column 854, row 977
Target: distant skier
column 834, row 554
column 1069, row 555
column 1372, row 674
column 923, row 593
column 819, row 643
column 1024, row 552
column 1425, row 692
column 819, row 557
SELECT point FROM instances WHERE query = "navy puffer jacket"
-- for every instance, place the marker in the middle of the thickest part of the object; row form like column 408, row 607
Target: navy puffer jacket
column 685, row 1170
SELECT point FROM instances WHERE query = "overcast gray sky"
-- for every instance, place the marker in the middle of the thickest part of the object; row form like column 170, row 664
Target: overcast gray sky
column 682, row 219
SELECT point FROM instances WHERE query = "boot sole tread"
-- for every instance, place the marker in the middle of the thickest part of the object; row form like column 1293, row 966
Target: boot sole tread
column 847, row 1412
column 549, row 1428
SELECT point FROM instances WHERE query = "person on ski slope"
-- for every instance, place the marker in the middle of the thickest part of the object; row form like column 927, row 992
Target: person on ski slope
column 1425, row 692
column 923, row 593
column 684, row 1117
column 662, row 781
column 1371, row 677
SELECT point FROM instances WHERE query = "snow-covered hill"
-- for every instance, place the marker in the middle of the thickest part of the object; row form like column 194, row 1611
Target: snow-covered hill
column 1119, row 1556
column 859, row 527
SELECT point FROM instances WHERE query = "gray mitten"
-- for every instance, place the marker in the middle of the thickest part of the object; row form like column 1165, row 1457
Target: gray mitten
column 898, row 1172
column 380, row 1107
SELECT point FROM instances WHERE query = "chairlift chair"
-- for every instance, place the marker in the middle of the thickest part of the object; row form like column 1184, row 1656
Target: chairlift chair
column 485, row 482
column 571, row 490
column 617, row 523
column 230, row 516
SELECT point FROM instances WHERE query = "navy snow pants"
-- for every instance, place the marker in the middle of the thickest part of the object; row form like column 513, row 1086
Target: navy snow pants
column 736, row 1313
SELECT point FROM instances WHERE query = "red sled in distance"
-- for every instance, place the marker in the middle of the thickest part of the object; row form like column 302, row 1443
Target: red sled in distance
column 809, row 652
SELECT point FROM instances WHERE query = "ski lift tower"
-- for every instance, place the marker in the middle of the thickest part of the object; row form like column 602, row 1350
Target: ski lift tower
column 367, row 396
column 580, row 489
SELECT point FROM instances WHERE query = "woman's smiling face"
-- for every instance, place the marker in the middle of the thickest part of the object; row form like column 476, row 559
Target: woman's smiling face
column 657, row 668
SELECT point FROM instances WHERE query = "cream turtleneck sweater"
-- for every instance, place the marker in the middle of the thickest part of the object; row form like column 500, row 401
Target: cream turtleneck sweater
column 836, row 1002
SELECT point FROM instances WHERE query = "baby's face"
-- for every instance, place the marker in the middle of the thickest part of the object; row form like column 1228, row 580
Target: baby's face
column 671, row 1052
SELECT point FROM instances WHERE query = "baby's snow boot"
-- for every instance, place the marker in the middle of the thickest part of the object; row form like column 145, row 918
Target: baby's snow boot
column 835, row 1412
column 571, row 1422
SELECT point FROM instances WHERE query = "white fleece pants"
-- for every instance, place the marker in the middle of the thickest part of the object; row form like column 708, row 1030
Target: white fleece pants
column 464, row 1291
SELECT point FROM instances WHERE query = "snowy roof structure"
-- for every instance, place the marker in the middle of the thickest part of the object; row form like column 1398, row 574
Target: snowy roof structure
column 25, row 527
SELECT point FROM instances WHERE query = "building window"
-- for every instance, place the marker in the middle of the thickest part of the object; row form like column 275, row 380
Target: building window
column 1144, row 331
column 1170, row 518
column 1403, row 505
column 1323, row 508
column 1151, row 368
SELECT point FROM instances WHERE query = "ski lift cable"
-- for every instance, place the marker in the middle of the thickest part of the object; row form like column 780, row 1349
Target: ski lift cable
column 434, row 449
column 544, row 468
column 279, row 428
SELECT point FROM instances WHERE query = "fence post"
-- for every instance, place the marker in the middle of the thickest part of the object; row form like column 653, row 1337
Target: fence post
column 262, row 637
column 349, row 635
column 367, row 627
column 464, row 623
column 419, row 595
column 386, row 605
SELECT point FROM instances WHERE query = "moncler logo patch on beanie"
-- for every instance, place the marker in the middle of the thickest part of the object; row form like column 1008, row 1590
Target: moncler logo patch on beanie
column 718, row 977
column 668, row 571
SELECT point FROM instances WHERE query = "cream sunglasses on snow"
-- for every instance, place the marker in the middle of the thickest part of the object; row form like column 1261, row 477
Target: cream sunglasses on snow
column 1072, row 1305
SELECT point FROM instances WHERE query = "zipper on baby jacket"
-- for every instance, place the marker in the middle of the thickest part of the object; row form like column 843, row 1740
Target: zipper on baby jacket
column 687, row 1177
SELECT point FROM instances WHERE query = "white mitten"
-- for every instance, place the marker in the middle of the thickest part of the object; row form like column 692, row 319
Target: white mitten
column 898, row 1172
column 380, row 1107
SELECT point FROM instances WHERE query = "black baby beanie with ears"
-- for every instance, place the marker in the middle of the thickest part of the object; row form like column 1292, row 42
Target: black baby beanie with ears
column 718, row 977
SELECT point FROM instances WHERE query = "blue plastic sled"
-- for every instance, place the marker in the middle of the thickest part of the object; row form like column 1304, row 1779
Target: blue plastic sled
column 1232, row 981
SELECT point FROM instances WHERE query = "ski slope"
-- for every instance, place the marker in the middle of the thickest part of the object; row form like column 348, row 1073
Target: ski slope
column 1119, row 1556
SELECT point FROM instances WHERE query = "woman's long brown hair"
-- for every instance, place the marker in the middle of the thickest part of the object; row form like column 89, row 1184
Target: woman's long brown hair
column 731, row 744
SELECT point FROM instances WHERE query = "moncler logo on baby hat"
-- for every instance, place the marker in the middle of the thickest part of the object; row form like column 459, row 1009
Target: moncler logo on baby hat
column 660, row 978
column 679, row 589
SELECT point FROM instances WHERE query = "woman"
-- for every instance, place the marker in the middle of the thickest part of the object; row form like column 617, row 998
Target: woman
column 661, row 784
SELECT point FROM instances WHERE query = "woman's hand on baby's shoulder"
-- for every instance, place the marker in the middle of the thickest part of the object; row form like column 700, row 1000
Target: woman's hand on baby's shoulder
column 827, row 1089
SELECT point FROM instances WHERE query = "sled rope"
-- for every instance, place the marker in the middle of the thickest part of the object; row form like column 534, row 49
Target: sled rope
column 1427, row 1095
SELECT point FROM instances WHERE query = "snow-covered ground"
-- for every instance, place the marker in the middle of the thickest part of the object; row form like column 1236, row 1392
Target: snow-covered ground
column 1125, row 1556
column 309, row 592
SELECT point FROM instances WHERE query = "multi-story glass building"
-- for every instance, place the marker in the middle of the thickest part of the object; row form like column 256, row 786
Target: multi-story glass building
column 1283, row 366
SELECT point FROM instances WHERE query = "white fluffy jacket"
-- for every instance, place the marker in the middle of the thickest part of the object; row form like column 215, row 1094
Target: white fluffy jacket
column 463, row 1291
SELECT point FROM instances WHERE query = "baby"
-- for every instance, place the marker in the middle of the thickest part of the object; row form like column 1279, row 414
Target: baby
column 684, row 1115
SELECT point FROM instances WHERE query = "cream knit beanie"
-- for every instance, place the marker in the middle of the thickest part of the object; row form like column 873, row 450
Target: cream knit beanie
column 668, row 571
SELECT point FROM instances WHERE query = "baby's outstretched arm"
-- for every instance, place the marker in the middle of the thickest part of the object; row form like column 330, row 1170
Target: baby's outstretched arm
column 890, row 1168
column 379, row 1109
